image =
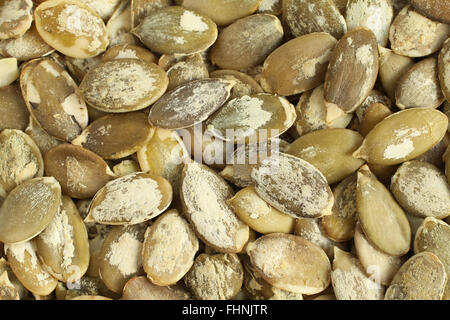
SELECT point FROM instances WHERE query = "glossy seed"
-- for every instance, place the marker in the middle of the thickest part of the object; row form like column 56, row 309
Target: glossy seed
column 15, row 18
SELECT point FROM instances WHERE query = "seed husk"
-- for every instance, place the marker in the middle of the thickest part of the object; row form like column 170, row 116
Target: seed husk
column 191, row 68
column 142, row 8
column 7, row 289
column 375, row 96
column 126, row 167
column 15, row 17
column 129, row 51
column 104, row 8
column 79, row 67
column 434, row 9
column 140, row 288
column 444, row 69
column 245, row 85
column 119, row 25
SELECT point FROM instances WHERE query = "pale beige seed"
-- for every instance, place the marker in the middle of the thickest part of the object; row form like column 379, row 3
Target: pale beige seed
column 104, row 8
column 444, row 69
column 20, row 159
column 78, row 67
column 422, row 277
column 340, row 225
column 247, row 42
column 352, row 70
column 414, row 35
column 380, row 266
column 63, row 246
column 116, row 136
column 419, row 86
column 123, row 85
column 203, row 97
column 53, row 99
column 330, row 151
column 382, row 220
column 13, row 111
column 422, row 189
column 43, row 140
column 192, row 68
column 140, row 288
column 176, row 30
column 129, row 51
column 119, row 25
column 373, row 115
column 142, row 8
column 290, row 263
column 215, row 277
column 169, row 249
column 126, row 167
column 403, row 136
column 258, row 214
column 130, row 199
column 350, row 280
column 434, row 9
column 298, row 65
column 15, row 18
column 27, row 267
column 245, row 84
column 9, row 70
column 304, row 17
column 80, row 172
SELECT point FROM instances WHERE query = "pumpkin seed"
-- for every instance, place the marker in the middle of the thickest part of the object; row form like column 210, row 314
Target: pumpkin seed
column 43, row 140
column 142, row 8
column 128, row 51
column 375, row 96
column 446, row 158
column 444, row 69
column 15, row 18
column 7, row 289
column 182, row 72
column 104, row 8
column 139, row 288
column 271, row 7
column 373, row 115
column 245, row 85
column 14, row 113
column 126, row 167
column 119, row 25
column 79, row 67
column 10, row 286
column 10, row 71
column 87, row 297
column 435, row 9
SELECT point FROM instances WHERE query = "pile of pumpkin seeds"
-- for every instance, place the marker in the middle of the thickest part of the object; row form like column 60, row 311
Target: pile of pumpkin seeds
column 224, row 149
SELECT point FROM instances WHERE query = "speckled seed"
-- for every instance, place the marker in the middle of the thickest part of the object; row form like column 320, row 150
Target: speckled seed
column 116, row 136
column 80, row 172
column 27, row 267
column 203, row 195
column 169, row 249
column 140, row 288
column 128, row 51
column 192, row 68
column 258, row 214
column 130, row 199
column 403, row 136
column 433, row 236
column 375, row 15
column 215, row 277
column 380, row 266
column 176, row 30
column 434, row 9
column 43, row 140
column 382, row 220
column 414, row 35
column 20, row 159
column 119, row 25
column 340, row 225
column 422, row 189
column 350, row 280
column 353, row 70
column 304, row 17
column 15, row 18
column 292, row 186
column 52, row 98
column 298, row 65
column 330, row 151
column 203, row 97
column 422, row 277
column 262, row 116
column 419, row 86
column 247, row 42
column 142, row 8
column 9, row 70
column 121, row 256
column 123, row 85
column 63, row 246
column 71, row 27
column 373, row 115
column 290, row 263
column 444, row 69
column 13, row 111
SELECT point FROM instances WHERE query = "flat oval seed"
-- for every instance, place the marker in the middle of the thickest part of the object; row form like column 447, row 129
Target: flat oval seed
column 330, row 151
column 433, row 236
column 10, row 72
column 79, row 67
column 15, row 18
column 422, row 277
column 403, row 136
column 130, row 199
column 116, row 136
column 140, row 288
column 80, row 172
column 128, row 51
column 292, row 186
column 422, row 189
column 203, row 195
column 380, row 266
column 53, row 100
column 245, row 85
column 192, row 68
column 419, row 86
column 350, row 281
column 304, row 17
column 373, row 115
column 383, row 221
column 123, row 85
column 203, row 97
column 13, row 111
column 142, row 8
column 43, row 140
column 28, row 269
column 260, row 116
column 298, row 65
column 434, row 9
column 20, row 159
column 63, row 246
column 290, row 263
column 119, row 25
column 247, row 42
column 32, row 206
column 444, row 69
column 414, row 35
column 71, row 27
column 169, row 249
column 353, row 70
column 216, row 277
column 258, row 214
column 176, row 30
